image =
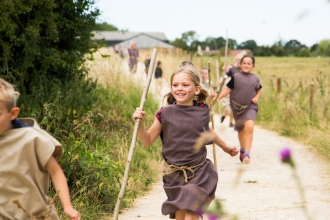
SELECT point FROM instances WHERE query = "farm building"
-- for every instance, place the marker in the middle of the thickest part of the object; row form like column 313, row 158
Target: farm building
column 124, row 40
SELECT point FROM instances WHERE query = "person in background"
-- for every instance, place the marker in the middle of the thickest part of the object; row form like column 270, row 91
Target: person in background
column 245, row 89
column 204, row 73
column 237, row 62
column 133, row 53
column 225, row 101
column 147, row 64
column 159, row 77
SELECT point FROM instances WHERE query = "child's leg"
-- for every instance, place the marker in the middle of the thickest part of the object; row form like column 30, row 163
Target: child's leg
column 186, row 215
column 179, row 215
column 241, row 138
column 231, row 118
column 191, row 216
column 248, row 128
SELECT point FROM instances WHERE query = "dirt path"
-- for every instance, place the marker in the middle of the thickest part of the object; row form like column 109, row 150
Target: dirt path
column 265, row 189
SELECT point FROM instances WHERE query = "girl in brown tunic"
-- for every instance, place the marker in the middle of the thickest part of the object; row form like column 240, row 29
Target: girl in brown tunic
column 245, row 89
column 189, row 178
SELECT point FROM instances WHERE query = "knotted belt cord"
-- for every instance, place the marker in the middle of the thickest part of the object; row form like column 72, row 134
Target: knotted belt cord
column 242, row 107
column 174, row 168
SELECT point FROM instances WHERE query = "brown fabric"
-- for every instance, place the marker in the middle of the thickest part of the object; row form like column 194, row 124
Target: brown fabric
column 24, row 153
column 181, row 126
column 245, row 88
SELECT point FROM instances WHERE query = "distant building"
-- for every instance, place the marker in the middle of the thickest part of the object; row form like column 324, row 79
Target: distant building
column 124, row 40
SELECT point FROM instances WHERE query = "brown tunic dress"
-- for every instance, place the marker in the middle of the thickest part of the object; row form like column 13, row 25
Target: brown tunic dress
column 181, row 126
column 24, row 153
column 243, row 88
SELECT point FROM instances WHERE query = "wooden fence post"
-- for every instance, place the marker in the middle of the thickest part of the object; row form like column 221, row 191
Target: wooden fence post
column 278, row 85
column 195, row 58
column 311, row 98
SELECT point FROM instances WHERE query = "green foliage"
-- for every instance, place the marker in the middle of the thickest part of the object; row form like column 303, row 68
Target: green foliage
column 44, row 39
column 324, row 47
column 249, row 44
column 186, row 40
column 104, row 26
column 189, row 41
column 95, row 131
column 44, row 46
column 291, row 113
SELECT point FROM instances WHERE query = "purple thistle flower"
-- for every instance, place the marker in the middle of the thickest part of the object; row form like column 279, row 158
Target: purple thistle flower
column 285, row 155
column 213, row 217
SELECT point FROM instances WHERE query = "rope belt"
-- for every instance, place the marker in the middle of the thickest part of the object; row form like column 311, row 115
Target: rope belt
column 242, row 107
column 170, row 168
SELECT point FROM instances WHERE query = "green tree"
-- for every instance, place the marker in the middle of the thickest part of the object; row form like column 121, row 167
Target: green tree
column 186, row 42
column 324, row 47
column 45, row 40
column 293, row 47
column 249, row 44
column 104, row 26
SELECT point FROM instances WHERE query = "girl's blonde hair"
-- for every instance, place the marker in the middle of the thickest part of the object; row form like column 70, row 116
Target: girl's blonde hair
column 8, row 96
column 194, row 76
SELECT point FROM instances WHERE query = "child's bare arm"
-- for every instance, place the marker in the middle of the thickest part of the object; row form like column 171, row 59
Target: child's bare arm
column 59, row 181
column 256, row 97
column 225, row 92
column 218, row 141
column 147, row 137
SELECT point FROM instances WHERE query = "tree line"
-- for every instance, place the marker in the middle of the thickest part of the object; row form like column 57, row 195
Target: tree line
column 188, row 41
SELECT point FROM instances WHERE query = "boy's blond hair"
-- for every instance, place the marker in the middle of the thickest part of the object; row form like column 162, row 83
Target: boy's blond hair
column 8, row 96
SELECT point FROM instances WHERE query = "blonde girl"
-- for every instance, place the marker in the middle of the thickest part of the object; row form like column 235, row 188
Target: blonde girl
column 189, row 178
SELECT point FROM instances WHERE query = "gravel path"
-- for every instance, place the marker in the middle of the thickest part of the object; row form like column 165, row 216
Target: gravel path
column 265, row 189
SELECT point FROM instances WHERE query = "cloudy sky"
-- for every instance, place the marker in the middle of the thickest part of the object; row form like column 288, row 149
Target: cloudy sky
column 265, row 21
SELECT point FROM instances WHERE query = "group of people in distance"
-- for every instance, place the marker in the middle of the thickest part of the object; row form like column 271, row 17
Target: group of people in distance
column 29, row 155
column 189, row 178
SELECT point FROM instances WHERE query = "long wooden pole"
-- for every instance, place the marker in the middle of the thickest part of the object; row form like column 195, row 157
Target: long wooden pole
column 218, row 80
column 211, row 114
column 133, row 143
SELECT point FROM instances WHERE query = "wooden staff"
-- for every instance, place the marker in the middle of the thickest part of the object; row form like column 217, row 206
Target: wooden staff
column 137, row 123
column 211, row 114
column 225, row 64
column 218, row 80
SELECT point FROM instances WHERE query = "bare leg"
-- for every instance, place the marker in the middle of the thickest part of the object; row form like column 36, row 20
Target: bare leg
column 191, row 216
column 248, row 127
column 241, row 138
column 231, row 118
column 179, row 215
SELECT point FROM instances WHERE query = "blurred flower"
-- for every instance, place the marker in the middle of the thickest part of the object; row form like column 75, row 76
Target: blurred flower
column 285, row 155
column 200, row 212
column 215, row 211
column 213, row 217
